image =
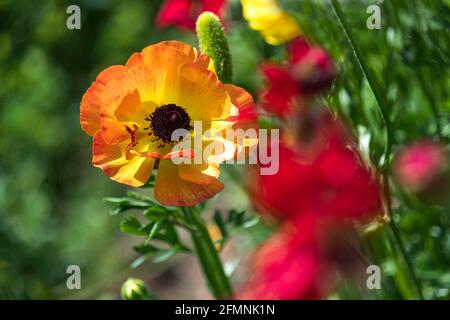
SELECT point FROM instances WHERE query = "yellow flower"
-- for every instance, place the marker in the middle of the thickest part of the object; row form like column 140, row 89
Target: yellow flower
column 132, row 110
column 267, row 17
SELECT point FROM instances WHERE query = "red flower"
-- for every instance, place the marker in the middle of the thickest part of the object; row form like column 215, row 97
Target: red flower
column 282, row 89
column 333, row 181
column 309, row 71
column 422, row 166
column 184, row 13
column 290, row 265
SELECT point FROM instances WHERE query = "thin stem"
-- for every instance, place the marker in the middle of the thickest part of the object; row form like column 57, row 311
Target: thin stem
column 431, row 102
column 373, row 83
column 397, row 242
column 207, row 256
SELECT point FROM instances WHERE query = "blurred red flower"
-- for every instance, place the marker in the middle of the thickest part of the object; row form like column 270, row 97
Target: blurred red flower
column 332, row 180
column 184, row 13
column 421, row 166
column 309, row 70
column 290, row 265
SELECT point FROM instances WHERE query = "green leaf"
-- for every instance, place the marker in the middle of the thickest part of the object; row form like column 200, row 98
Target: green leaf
column 126, row 203
column 155, row 213
column 153, row 230
column 164, row 255
column 138, row 262
column 214, row 43
column 145, row 249
column 221, row 225
column 131, row 225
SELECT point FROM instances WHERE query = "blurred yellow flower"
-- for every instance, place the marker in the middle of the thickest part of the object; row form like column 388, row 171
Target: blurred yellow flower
column 267, row 17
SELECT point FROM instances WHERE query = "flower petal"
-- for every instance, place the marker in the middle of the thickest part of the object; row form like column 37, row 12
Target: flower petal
column 106, row 155
column 129, row 99
column 243, row 101
column 167, row 56
column 135, row 173
column 112, row 160
column 176, row 12
column 92, row 100
column 171, row 190
column 199, row 173
column 202, row 94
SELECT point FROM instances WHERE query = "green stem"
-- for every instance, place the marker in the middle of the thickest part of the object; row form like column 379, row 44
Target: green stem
column 208, row 257
column 431, row 101
column 373, row 83
column 398, row 246
column 396, row 240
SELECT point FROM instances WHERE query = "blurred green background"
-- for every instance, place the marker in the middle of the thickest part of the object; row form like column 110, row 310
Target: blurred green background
column 51, row 209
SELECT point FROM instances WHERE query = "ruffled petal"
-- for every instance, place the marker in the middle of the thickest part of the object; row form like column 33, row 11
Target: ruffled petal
column 202, row 94
column 114, row 163
column 167, row 56
column 171, row 190
column 91, row 102
column 135, row 173
column 128, row 100
column 199, row 173
column 243, row 101
column 106, row 155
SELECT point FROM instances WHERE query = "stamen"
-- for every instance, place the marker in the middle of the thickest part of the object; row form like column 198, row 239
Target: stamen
column 165, row 120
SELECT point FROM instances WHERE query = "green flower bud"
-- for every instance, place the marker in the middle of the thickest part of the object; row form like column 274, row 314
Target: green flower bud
column 135, row 289
column 214, row 43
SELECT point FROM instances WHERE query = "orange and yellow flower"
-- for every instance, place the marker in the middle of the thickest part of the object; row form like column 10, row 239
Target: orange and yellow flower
column 132, row 110
column 266, row 16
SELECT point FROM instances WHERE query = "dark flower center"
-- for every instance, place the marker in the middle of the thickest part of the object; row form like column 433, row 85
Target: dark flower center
column 166, row 119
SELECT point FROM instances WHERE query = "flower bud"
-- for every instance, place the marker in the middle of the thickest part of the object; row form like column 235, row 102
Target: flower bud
column 315, row 71
column 134, row 289
column 423, row 168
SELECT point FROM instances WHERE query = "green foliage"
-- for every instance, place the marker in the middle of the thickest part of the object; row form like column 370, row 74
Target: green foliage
column 213, row 42
column 161, row 237
column 233, row 222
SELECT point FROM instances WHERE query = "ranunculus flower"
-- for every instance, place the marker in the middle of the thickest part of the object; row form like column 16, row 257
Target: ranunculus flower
column 267, row 17
column 309, row 70
column 423, row 166
column 132, row 110
column 184, row 13
column 331, row 180
column 291, row 265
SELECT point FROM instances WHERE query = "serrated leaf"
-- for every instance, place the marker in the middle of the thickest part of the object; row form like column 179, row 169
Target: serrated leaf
column 131, row 225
